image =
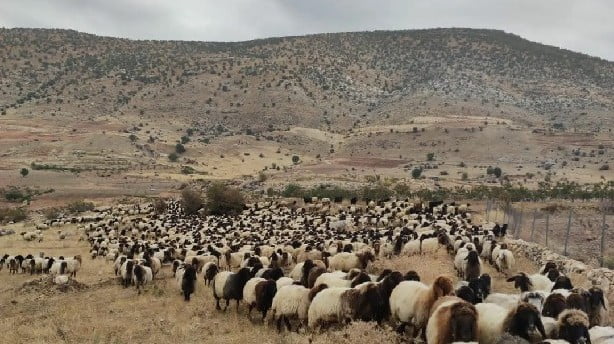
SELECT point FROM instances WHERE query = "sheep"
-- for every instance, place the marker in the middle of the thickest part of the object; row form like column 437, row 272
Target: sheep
column 339, row 304
column 188, row 281
column 554, row 305
column 597, row 309
column 283, row 281
column 472, row 267
column 345, row 261
column 504, row 262
column 577, row 301
column 573, row 327
column 265, row 292
column 126, row 271
column 314, row 273
column 339, row 280
column 229, row 286
column 452, row 320
column 466, row 293
column 494, row 320
column 411, row 301
column 293, row 301
column 141, row 276
column 210, row 269
column 411, row 275
column 562, row 282
column 249, row 293
column 504, row 300
column 601, row 335
column 531, row 283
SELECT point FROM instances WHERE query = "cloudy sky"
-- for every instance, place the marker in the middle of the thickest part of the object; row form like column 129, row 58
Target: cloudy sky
column 580, row 25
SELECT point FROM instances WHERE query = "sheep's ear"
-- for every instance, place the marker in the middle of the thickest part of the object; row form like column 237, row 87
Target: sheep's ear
column 540, row 327
column 511, row 279
column 603, row 302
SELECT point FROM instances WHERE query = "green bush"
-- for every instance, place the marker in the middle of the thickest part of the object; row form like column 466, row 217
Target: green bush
column 430, row 156
column 223, row 200
column 79, row 207
column 179, row 148
column 295, row 159
column 173, row 157
column 416, row 173
column 24, row 172
column 52, row 213
column 159, row 205
column 191, row 201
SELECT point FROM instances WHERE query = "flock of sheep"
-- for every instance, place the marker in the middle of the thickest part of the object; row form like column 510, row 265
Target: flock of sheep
column 310, row 265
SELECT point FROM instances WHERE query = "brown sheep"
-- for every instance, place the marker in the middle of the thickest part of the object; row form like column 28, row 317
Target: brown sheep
column 452, row 320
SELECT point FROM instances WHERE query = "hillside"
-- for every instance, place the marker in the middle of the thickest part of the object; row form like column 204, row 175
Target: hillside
column 86, row 112
column 336, row 81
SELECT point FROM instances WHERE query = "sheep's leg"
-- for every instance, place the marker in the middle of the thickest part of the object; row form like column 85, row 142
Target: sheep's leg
column 401, row 328
column 264, row 316
column 278, row 323
column 217, row 303
column 226, row 305
column 249, row 310
column 237, row 306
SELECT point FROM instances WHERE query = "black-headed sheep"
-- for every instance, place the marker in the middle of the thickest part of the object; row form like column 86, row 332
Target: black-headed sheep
column 188, row 281
column 573, row 327
column 521, row 321
column 229, row 286
column 411, row 302
column 452, row 320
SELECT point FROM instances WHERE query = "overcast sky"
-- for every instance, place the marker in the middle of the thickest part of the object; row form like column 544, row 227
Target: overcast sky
column 580, row 25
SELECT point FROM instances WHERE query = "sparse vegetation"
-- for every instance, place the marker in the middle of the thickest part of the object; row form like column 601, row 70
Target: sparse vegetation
column 191, row 201
column 416, row 172
column 223, row 200
column 12, row 214
column 24, row 172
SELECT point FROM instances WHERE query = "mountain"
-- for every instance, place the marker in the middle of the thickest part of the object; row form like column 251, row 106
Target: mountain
column 334, row 82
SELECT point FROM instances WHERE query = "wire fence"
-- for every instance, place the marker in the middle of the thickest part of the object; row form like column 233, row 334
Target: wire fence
column 579, row 232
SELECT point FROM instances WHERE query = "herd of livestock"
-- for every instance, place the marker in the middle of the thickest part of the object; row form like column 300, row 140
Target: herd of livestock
column 312, row 266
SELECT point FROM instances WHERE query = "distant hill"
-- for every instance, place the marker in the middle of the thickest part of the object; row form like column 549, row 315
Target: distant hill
column 331, row 81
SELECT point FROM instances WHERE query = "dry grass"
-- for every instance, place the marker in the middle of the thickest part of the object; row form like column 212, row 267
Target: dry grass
column 104, row 312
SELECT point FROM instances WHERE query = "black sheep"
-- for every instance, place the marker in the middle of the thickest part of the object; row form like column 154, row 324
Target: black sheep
column 265, row 291
column 188, row 282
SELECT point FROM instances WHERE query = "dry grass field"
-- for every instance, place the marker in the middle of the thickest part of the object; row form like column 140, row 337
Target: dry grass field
column 96, row 309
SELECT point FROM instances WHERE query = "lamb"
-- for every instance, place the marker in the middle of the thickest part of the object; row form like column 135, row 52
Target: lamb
column 229, row 286
column 345, row 261
column 531, row 283
column 452, row 320
column 504, row 262
column 293, row 301
column 141, row 276
column 494, row 320
column 411, row 302
column 188, row 281
column 573, row 327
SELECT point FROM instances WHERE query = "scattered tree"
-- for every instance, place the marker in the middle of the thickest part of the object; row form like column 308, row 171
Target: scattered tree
column 295, row 159
column 191, row 201
column 24, row 172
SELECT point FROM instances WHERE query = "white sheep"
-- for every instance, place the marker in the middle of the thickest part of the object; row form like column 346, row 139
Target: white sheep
column 504, row 262
column 284, row 281
column 506, row 301
column 411, row 301
column 292, row 301
column 601, row 334
column 326, row 307
column 249, row 291
column 411, row 248
column 345, row 261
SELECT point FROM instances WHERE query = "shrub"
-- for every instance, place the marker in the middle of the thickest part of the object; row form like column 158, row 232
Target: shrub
column 222, row 200
column 173, row 157
column 14, row 194
column 293, row 190
column 295, row 159
column 262, row 177
column 497, row 172
column 416, row 172
column 187, row 170
column 430, row 156
column 604, row 167
column 24, row 172
column 465, row 176
column 179, row 148
column 185, row 139
column 133, row 138
column 12, row 214
column 191, row 201
column 159, row 205
column 79, row 207
column 52, row 213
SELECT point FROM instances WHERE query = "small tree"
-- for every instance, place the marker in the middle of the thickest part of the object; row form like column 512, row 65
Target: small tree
column 222, row 200
column 416, row 172
column 465, row 176
column 173, row 157
column 295, row 159
column 24, row 172
column 430, row 156
column 191, row 201
column 185, row 139
column 179, row 148
column 497, row 172
column 133, row 138
column 159, row 205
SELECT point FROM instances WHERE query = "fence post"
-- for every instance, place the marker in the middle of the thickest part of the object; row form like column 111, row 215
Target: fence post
column 547, row 228
column 533, row 225
column 567, row 235
column 519, row 224
column 603, row 239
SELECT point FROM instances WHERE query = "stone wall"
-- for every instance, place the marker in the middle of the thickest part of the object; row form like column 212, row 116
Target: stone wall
column 600, row 277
